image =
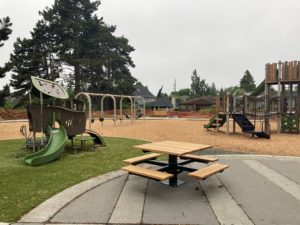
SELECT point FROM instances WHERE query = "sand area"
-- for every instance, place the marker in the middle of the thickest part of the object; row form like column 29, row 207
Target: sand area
column 186, row 131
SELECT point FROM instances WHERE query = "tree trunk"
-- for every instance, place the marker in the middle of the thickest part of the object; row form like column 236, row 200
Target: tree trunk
column 77, row 78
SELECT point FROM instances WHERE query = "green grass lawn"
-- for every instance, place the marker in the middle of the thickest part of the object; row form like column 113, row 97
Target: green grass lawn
column 23, row 187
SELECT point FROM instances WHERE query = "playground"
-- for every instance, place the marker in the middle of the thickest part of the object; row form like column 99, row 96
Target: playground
column 258, row 135
column 187, row 131
column 173, row 191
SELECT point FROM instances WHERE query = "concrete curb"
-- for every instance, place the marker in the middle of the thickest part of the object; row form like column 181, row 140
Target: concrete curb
column 4, row 223
column 46, row 210
column 265, row 157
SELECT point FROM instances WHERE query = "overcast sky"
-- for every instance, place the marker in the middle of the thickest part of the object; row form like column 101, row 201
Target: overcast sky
column 219, row 38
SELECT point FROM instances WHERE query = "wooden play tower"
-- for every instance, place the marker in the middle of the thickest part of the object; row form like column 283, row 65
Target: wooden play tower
column 282, row 88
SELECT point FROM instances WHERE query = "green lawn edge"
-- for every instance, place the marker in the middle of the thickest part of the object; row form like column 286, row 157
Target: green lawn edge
column 23, row 187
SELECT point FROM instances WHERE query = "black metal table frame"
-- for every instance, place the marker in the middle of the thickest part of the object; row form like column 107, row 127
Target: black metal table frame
column 173, row 167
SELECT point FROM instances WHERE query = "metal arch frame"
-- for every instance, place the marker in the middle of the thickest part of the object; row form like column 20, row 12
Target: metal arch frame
column 115, row 106
column 89, row 105
column 132, row 100
column 131, row 107
column 144, row 105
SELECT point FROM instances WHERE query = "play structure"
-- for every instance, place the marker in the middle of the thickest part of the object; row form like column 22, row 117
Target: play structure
column 133, row 106
column 280, row 102
column 44, row 118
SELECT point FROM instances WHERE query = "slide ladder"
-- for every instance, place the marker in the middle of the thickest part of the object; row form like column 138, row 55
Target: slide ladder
column 247, row 127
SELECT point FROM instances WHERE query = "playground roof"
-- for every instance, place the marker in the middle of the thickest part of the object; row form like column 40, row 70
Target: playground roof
column 50, row 88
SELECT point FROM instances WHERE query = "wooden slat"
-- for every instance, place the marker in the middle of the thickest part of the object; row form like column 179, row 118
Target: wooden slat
column 298, row 75
column 208, row 171
column 267, row 70
column 141, row 158
column 295, row 70
column 178, row 145
column 157, row 175
column 201, row 158
column 172, row 147
column 290, row 71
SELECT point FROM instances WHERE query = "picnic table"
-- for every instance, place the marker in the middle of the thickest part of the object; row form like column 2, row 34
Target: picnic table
column 168, row 171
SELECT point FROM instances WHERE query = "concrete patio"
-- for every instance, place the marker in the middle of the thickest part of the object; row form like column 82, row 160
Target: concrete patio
column 260, row 190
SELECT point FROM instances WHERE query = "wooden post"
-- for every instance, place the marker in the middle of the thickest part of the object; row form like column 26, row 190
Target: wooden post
column 279, row 96
column 267, row 106
column 234, row 103
column 217, row 110
column 246, row 104
column 291, row 98
column 227, row 114
column 234, row 111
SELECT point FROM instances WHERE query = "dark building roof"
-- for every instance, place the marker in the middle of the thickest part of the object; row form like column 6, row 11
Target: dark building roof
column 142, row 91
column 160, row 102
column 204, row 100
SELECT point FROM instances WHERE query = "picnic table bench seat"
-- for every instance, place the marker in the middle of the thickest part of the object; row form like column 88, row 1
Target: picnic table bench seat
column 145, row 172
column 205, row 172
column 142, row 158
column 200, row 158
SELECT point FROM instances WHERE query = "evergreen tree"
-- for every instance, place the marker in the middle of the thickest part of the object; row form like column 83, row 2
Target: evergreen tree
column 30, row 58
column 5, row 30
column 195, row 83
column 247, row 82
column 3, row 94
column 100, row 60
column 160, row 94
column 70, row 41
column 212, row 90
column 182, row 92
column 198, row 87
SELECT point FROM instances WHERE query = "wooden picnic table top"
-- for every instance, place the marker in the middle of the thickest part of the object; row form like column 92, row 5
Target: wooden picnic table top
column 172, row 147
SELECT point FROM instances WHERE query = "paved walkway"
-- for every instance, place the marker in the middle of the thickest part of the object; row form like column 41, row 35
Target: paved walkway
column 254, row 190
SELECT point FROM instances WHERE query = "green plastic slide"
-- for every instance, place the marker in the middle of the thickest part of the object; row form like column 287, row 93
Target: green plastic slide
column 213, row 121
column 57, row 140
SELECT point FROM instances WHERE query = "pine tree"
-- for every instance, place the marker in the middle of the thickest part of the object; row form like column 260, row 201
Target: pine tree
column 195, row 83
column 3, row 94
column 31, row 58
column 212, row 90
column 72, row 43
column 100, row 60
column 247, row 82
column 160, row 94
column 5, row 30
column 182, row 92
column 198, row 87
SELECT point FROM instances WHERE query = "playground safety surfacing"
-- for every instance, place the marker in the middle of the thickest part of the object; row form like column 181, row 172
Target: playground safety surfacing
column 254, row 190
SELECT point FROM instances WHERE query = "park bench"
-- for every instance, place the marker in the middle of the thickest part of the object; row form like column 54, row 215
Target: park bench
column 142, row 158
column 149, row 173
column 206, row 172
column 200, row 158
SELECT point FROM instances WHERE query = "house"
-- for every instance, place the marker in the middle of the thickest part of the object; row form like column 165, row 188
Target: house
column 197, row 103
column 161, row 104
column 144, row 92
